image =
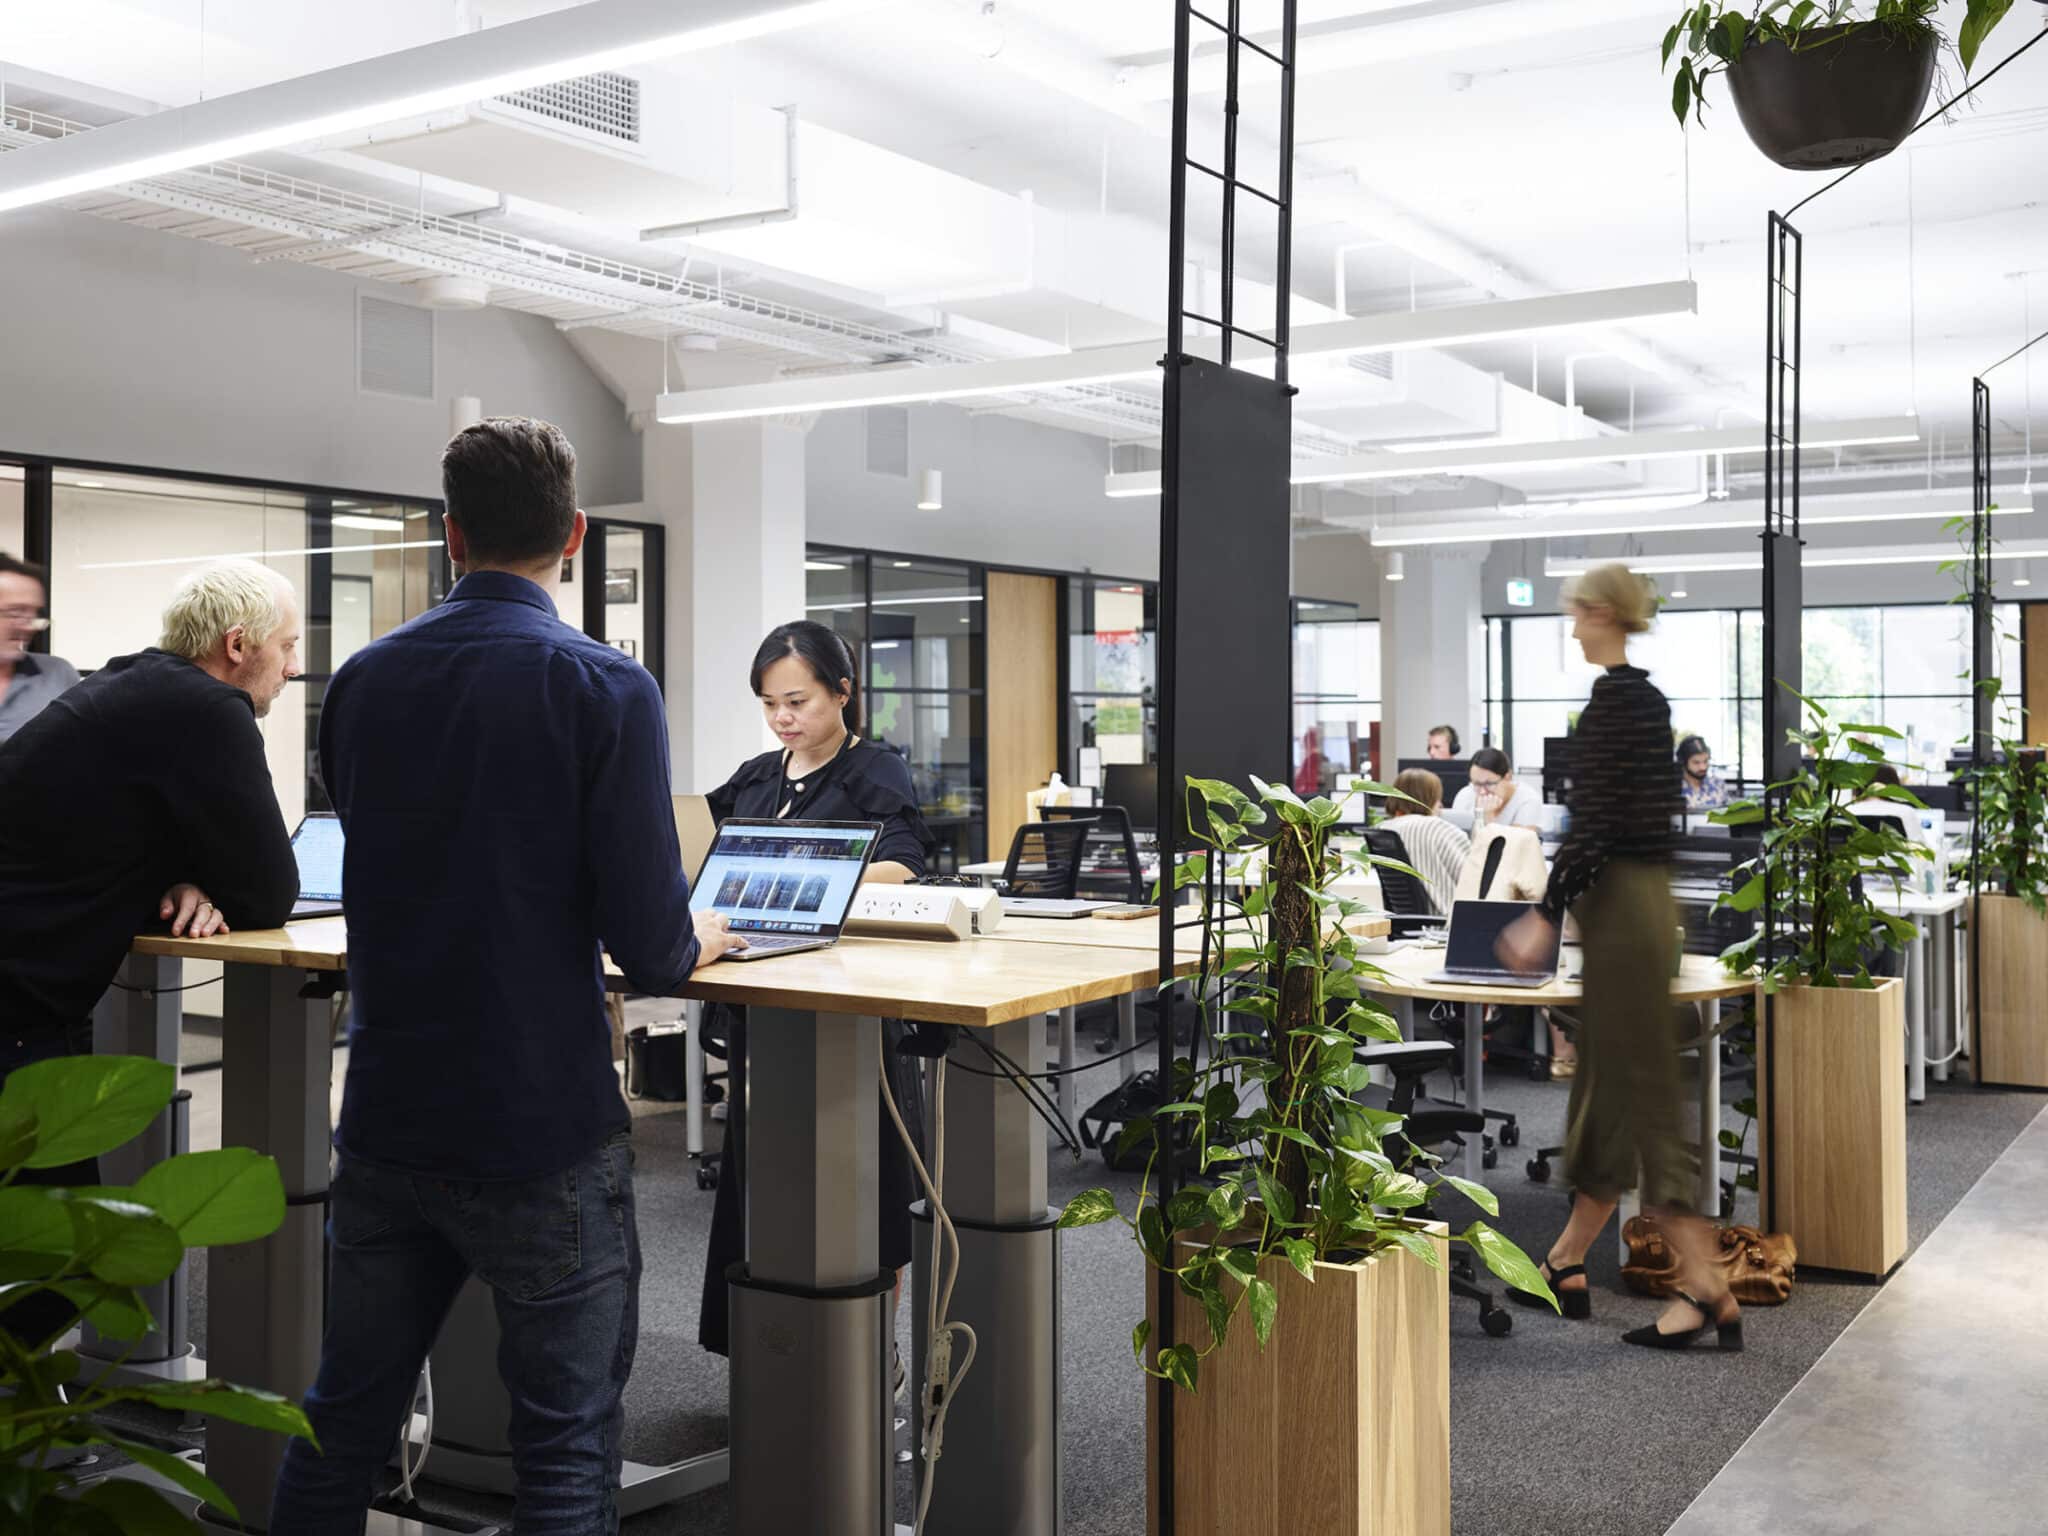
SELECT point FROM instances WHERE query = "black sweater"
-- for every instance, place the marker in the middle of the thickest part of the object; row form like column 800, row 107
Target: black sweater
column 1624, row 785
column 148, row 773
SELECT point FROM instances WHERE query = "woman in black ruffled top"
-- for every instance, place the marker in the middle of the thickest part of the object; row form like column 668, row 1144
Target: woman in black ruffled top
column 807, row 679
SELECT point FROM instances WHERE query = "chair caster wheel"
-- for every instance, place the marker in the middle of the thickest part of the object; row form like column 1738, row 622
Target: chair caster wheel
column 707, row 1178
column 1538, row 1170
column 1539, row 1070
column 1511, row 1135
column 1498, row 1323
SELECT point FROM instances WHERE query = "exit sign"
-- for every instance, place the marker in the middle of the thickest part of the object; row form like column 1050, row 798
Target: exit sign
column 1521, row 593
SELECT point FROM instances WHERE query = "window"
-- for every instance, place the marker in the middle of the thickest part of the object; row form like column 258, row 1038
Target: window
column 13, row 511
column 1112, row 661
column 918, row 626
column 1336, row 693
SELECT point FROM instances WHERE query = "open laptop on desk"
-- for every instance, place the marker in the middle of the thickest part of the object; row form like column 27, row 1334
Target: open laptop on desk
column 784, row 885
column 1476, row 927
column 317, row 847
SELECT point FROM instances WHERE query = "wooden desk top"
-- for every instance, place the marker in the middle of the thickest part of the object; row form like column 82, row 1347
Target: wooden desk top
column 1700, row 978
column 1140, row 933
column 975, row 983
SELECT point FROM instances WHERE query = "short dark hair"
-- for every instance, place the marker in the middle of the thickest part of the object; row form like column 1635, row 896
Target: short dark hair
column 1493, row 760
column 9, row 566
column 1449, row 734
column 1691, row 747
column 1885, row 773
column 827, row 653
column 510, row 484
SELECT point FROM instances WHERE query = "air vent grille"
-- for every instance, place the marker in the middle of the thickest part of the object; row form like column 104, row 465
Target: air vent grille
column 1378, row 365
column 395, row 349
column 889, row 441
column 603, row 103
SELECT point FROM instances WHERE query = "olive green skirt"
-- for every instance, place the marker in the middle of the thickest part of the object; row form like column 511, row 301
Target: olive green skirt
column 1625, row 1113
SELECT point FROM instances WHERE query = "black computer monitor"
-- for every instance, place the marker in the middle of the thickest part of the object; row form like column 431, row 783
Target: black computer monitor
column 1135, row 787
column 1954, row 799
column 1454, row 772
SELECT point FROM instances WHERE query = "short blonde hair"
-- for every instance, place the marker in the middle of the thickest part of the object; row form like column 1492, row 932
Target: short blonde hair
column 223, row 595
column 1420, row 785
column 1632, row 598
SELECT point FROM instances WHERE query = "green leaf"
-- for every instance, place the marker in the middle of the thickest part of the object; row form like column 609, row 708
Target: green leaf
column 1179, row 1364
column 1681, row 91
column 1152, row 1236
column 1420, row 1244
column 1670, row 42
column 179, row 1471
column 238, row 1405
column 1731, row 1140
column 1398, row 1191
column 1135, row 1133
column 1226, row 1205
column 86, row 1105
column 122, row 1242
column 115, row 1310
column 1139, row 1335
column 1478, row 1194
column 1087, row 1208
column 36, row 1221
column 233, row 1195
column 17, row 1135
column 1278, row 1201
column 1978, row 21
column 1301, row 1253
column 1507, row 1261
column 1241, row 1261
column 1265, row 1301
column 1216, row 1309
column 137, row 1509
column 1748, row 898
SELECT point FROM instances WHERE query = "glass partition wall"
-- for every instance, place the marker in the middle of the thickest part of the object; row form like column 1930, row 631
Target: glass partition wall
column 1112, row 629
column 1336, row 693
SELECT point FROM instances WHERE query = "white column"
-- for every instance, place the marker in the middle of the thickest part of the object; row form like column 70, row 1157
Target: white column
column 1432, row 652
column 731, row 495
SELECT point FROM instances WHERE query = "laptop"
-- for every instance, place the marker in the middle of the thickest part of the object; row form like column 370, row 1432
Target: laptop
column 696, row 831
column 317, row 847
column 1051, row 906
column 784, row 885
column 1476, row 926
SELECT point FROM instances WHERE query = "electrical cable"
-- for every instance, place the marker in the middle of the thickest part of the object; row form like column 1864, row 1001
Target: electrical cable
column 1052, row 1073
column 122, row 986
column 942, row 1378
column 408, row 1469
column 1035, row 1096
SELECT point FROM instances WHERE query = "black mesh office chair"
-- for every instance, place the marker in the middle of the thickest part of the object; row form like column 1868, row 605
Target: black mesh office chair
column 1409, row 1063
column 1406, row 897
column 1111, row 869
column 1045, row 858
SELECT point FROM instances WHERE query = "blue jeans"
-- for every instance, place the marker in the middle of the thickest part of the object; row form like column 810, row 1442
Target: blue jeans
column 561, row 1255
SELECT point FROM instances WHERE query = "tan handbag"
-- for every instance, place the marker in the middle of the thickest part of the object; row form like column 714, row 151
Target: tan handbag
column 1759, row 1267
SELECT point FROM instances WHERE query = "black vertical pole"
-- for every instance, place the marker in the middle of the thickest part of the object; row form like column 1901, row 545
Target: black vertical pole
column 1983, row 662
column 37, row 539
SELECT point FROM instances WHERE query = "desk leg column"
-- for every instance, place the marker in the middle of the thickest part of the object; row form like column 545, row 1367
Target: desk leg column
column 1127, row 1034
column 1475, row 1087
column 1710, row 1111
column 999, row 1471
column 263, row 1301
column 1918, row 996
column 810, row 1419
column 1943, row 974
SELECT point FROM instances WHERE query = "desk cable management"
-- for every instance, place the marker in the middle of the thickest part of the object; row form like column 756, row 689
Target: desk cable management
column 942, row 1378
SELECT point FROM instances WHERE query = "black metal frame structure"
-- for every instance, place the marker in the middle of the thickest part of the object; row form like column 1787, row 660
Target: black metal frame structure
column 1784, row 271
column 1223, row 478
column 1983, row 668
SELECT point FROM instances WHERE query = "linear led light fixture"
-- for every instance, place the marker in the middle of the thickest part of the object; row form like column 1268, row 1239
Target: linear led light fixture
column 1738, row 560
column 1565, row 454
column 1513, row 529
column 475, row 66
column 1399, row 331
column 888, row 602
column 260, row 554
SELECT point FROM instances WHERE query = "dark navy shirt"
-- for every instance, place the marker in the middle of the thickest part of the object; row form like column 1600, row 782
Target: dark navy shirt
column 503, row 783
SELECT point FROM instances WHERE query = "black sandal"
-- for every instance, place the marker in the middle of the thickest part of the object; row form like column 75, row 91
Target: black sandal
column 1575, row 1304
column 1727, row 1336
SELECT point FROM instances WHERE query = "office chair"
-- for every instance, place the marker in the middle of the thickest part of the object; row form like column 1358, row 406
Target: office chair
column 1409, row 1063
column 1110, row 867
column 1045, row 858
column 1406, row 897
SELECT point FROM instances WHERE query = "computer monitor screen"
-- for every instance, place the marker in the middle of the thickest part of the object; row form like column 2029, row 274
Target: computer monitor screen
column 317, row 846
column 1454, row 772
column 785, row 876
column 1135, row 787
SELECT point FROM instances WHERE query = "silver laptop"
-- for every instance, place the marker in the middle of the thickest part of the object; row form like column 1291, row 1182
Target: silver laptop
column 1476, row 927
column 784, row 885
column 317, row 847
column 1051, row 906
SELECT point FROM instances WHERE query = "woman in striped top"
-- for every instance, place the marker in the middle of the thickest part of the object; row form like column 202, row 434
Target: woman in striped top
column 1613, row 871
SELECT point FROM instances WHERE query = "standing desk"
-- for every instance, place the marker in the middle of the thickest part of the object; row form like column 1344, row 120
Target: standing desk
column 810, row 1318
column 1700, row 981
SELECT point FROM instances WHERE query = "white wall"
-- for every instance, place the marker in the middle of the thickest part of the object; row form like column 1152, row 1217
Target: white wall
column 128, row 347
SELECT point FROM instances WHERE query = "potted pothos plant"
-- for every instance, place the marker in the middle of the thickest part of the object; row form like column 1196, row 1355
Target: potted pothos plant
column 96, row 1250
column 1820, row 84
column 1305, row 1280
column 1831, row 1099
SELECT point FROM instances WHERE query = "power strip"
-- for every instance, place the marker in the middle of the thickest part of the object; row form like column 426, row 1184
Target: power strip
column 910, row 912
column 984, row 906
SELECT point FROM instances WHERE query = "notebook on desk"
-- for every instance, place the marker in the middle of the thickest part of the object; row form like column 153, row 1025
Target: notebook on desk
column 1476, row 927
column 317, row 846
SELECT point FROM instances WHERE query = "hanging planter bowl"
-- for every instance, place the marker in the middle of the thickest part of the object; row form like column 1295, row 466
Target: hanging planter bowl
column 1847, row 94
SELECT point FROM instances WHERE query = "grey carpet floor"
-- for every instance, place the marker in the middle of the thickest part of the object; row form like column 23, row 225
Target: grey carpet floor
column 1556, row 1430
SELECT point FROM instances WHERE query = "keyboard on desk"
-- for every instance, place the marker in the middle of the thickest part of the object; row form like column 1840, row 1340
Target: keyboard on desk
column 760, row 947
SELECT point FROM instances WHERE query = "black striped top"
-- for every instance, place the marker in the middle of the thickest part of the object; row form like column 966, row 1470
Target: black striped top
column 1624, row 790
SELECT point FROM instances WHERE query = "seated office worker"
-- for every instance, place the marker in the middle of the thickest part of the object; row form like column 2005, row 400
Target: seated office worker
column 141, row 793
column 1495, row 797
column 27, row 681
column 1436, row 848
column 1443, row 742
column 504, row 786
column 807, row 680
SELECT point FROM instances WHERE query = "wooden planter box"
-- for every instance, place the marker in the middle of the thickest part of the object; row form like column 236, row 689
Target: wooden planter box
column 2012, row 1036
column 1833, row 1152
column 1342, row 1424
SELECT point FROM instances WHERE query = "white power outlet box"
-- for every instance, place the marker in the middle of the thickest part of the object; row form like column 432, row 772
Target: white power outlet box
column 985, row 907
column 910, row 912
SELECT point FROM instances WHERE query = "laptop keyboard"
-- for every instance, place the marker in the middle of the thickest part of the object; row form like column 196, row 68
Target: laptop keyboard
column 769, row 946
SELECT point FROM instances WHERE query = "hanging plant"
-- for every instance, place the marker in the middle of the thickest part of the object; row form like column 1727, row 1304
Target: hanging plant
column 1820, row 86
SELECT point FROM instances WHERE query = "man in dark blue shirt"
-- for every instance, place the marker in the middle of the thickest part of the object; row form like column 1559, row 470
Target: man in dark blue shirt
column 503, row 783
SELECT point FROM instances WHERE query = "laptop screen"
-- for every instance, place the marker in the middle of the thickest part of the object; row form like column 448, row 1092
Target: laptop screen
column 784, row 876
column 317, row 846
column 1475, row 928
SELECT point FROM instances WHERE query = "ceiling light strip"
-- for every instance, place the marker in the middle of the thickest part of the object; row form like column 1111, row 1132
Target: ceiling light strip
column 1514, row 530
column 263, row 554
column 1737, row 560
